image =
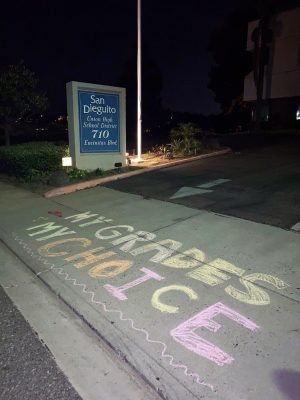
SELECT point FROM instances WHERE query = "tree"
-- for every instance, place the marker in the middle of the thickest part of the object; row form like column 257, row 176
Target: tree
column 232, row 62
column 19, row 98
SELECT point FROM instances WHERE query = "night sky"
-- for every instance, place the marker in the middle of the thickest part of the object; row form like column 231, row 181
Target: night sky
column 92, row 42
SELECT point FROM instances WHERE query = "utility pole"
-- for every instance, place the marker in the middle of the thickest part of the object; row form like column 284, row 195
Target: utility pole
column 263, row 38
column 139, row 82
column 259, row 73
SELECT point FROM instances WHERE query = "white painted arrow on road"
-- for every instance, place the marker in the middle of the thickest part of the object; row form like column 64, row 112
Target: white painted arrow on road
column 296, row 227
column 210, row 184
column 187, row 191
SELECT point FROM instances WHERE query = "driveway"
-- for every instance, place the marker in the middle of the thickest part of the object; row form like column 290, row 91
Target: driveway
column 257, row 185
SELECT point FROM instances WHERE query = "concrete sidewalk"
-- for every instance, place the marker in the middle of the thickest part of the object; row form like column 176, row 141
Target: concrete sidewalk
column 49, row 353
column 200, row 305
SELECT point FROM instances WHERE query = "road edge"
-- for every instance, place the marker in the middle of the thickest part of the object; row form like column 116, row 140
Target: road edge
column 99, row 181
column 138, row 381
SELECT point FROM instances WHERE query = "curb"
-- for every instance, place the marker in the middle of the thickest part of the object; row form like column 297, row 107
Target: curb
column 99, row 181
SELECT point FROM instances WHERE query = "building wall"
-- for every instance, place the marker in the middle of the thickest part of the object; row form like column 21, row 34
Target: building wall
column 282, row 112
column 282, row 74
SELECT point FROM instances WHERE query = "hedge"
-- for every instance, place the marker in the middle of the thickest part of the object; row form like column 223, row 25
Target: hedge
column 29, row 159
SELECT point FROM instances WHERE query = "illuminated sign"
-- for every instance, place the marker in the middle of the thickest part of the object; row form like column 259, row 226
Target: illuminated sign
column 99, row 122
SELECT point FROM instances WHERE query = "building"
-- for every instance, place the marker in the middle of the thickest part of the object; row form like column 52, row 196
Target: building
column 281, row 83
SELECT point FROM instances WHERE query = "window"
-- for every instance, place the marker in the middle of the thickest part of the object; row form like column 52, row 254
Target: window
column 298, row 112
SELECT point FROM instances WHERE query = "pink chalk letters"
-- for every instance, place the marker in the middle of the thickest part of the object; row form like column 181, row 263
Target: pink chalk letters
column 185, row 333
column 118, row 291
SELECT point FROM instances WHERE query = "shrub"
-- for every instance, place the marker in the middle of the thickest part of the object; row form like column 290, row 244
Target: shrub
column 158, row 149
column 98, row 172
column 32, row 159
column 177, row 146
column 76, row 173
column 184, row 138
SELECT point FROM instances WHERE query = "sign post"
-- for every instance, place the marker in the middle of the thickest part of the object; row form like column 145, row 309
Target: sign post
column 97, row 125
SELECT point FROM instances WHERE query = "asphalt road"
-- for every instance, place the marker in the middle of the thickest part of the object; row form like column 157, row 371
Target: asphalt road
column 260, row 185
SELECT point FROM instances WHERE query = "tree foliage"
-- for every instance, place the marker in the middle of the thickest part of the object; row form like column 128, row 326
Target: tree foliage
column 232, row 62
column 19, row 98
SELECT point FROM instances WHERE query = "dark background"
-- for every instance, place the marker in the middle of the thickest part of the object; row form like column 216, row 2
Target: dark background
column 96, row 41
column 194, row 56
